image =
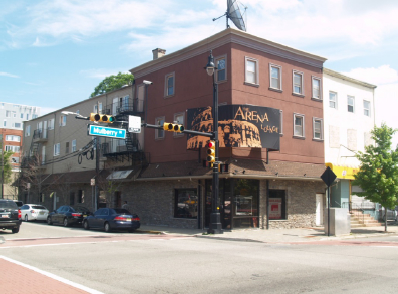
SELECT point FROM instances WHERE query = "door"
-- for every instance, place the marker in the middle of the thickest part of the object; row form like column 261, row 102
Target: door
column 115, row 106
column 319, row 209
column 45, row 130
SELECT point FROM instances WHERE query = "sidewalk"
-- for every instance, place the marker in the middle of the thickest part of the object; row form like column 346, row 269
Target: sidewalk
column 274, row 235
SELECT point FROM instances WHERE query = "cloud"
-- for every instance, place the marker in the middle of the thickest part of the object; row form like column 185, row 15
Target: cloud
column 6, row 74
column 382, row 75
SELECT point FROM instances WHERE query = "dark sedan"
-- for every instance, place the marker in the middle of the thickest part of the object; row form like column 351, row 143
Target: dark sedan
column 68, row 215
column 112, row 219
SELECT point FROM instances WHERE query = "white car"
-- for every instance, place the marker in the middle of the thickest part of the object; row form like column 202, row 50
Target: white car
column 34, row 212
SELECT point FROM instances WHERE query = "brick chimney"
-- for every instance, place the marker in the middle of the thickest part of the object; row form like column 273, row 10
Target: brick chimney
column 158, row 53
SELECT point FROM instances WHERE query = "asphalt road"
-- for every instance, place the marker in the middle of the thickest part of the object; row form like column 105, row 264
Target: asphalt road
column 145, row 263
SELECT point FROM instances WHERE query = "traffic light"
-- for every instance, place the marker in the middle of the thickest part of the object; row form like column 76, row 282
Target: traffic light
column 103, row 118
column 211, row 151
column 173, row 127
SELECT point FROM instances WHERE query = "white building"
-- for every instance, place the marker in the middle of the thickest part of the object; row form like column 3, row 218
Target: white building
column 349, row 117
column 12, row 115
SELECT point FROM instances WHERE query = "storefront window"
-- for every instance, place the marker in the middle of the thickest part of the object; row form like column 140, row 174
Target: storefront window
column 276, row 204
column 186, row 203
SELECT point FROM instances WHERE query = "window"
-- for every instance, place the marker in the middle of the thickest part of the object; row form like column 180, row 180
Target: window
column 34, row 116
column 27, row 131
column 333, row 100
column 66, row 147
column 27, row 116
column 100, row 107
column 51, row 124
column 179, row 118
column 366, row 108
column 316, row 88
column 298, row 78
column 221, row 74
column 21, row 115
column 299, row 125
column 169, row 85
column 275, row 80
column 74, row 145
column 8, row 113
column 14, row 138
column 5, row 122
column 318, row 128
column 62, row 121
column 186, row 203
column 12, row 148
column 159, row 133
column 251, row 71
column 350, row 103
column 57, row 149
column 18, row 125
column 14, row 114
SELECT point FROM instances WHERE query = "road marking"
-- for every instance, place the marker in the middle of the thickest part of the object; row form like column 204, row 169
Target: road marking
column 52, row 276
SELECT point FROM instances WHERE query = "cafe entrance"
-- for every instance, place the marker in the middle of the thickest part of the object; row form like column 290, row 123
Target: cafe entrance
column 238, row 203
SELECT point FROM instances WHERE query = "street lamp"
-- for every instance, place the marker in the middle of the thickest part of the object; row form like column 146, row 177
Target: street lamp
column 215, row 223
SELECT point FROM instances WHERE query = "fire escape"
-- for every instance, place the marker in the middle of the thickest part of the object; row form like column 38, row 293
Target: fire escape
column 33, row 157
column 132, row 149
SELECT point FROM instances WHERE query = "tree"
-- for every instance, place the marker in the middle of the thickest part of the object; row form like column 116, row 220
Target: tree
column 112, row 83
column 7, row 166
column 378, row 174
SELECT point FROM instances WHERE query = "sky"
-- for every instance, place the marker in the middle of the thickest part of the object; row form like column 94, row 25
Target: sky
column 53, row 53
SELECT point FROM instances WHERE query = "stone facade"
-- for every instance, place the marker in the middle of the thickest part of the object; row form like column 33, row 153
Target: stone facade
column 300, row 208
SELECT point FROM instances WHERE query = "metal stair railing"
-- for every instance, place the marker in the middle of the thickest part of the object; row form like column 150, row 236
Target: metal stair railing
column 358, row 210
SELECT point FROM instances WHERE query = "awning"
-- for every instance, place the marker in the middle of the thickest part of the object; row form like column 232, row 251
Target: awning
column 343, row 172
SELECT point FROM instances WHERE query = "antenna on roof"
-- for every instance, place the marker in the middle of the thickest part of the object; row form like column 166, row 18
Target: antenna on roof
column 234, row 14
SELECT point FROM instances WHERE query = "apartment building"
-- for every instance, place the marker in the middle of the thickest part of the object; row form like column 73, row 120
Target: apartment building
column 349, row 117
column 270, row 130
column 12, row 117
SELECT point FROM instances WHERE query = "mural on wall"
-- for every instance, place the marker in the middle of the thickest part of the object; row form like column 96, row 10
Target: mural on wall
column 238, row 126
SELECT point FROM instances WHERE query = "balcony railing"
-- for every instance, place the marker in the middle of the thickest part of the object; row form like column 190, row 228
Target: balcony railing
column 126, row 107
column 40, row 135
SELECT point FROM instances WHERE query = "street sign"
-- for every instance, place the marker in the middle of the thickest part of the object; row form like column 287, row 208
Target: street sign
column 328, row 176
column 92, row 182
column 134, row 124
column 94, row 130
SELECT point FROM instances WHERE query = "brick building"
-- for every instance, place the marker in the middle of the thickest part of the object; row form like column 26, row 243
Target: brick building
column 161, row 174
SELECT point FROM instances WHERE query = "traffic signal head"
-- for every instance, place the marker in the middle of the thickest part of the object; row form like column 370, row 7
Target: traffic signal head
column 103, row 118
column 173, row 127
column 211, row 151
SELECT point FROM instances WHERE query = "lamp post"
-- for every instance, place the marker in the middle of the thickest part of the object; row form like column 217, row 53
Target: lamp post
column 215, row 223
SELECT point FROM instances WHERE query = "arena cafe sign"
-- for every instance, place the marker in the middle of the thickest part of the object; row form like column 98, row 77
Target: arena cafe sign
column 238, row 126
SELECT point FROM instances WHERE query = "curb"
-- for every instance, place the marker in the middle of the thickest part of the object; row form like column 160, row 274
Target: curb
column 229, row 239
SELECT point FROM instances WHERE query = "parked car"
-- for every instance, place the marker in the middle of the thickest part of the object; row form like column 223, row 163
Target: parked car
column 112, row 219
column 391, row 214
column 19, row 203
column 68, row 215
column 34, row 212
column 10, row 216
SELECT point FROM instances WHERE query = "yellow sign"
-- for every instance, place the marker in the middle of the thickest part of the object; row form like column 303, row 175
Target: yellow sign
column 343, row 172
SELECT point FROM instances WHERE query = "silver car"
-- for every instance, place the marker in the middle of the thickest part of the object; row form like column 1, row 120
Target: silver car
column 34, row 212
